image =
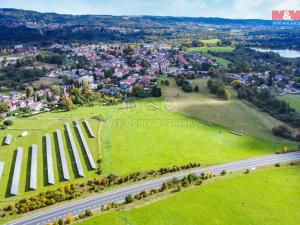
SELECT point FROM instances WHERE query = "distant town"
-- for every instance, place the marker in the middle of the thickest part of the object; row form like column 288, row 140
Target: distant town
column 117, row 120
column 117, row 70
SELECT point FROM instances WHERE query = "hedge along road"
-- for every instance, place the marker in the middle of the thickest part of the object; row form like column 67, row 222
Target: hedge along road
column 94, row 203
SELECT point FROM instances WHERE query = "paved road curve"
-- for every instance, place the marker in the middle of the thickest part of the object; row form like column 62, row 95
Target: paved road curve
column 119, row 195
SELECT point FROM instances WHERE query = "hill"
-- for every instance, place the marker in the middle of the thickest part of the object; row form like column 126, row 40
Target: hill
column 234, row 114
column 18, row 15
column 21, row 26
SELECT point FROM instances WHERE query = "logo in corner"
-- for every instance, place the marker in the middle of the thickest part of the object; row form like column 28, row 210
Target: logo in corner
column 286, row 15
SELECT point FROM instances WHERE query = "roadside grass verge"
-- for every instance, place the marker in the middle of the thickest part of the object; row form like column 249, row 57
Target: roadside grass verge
column 255, row 198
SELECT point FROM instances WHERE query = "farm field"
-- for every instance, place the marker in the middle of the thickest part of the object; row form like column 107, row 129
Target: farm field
column 150, row 136
column 257, row 198
column 236, row 32
column 135, row 137
column 134, row 134
column 234, row 114
column 210, row 41
column 41, row 65
column 46, row 81
column 213, row 49
column 204, row 50
column 293, row 100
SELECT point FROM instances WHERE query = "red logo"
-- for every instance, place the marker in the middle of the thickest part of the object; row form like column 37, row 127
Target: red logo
column 286, row 15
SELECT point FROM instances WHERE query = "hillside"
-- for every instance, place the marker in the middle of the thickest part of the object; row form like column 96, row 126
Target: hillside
column 21, row 26
column 235, row 114
column 17, row 15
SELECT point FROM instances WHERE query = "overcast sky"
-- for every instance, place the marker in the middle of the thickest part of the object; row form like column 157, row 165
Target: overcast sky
column 245, row 9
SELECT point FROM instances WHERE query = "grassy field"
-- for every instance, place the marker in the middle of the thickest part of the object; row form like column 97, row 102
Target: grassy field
column 204, row 50
column 210, row 41
column 267, row 197
column 150, row 136
column 139, row 136
column 146, row 135
column 234, row 114
column 37, row 128
column 46, row 81
column 41, row 65
column 213, row 49
column 293, row 100
column 236, row 32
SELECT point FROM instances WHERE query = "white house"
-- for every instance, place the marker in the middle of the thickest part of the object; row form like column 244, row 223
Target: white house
column 35, row 106
column 88, row 79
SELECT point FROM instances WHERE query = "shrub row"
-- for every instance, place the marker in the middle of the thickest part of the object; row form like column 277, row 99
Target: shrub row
column 73, row 191
column 173, row 185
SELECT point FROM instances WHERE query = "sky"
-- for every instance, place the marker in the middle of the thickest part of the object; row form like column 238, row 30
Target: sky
column 242, row 9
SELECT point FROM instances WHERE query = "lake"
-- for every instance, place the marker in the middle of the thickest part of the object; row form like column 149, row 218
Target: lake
column 286, row 53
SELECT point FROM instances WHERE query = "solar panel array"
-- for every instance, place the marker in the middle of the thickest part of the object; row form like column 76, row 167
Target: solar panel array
column 75, row 151
column 85, row 145
column 33, row 168
column 8, row 139
column 1, row 169
column 62, row 156
column 49, row 160
column 91, row 132
column 14, row 190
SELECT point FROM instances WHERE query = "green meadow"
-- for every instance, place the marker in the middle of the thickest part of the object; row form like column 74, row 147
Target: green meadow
column 213, row 41
column 234, row 114
column 212, row 49
column 205, row 51
column 266, row 197
column 293, row 100
column 150, row 136
column 137, row 136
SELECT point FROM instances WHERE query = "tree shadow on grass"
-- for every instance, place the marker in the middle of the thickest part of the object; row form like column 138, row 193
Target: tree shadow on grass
column 71, row 154
column 85, row 157
column 28, row 170
column 58, row 158
column 11, row 173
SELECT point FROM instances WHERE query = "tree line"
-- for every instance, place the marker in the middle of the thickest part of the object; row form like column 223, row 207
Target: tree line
column 277, row 108
column 73, row 191
column 218, row 87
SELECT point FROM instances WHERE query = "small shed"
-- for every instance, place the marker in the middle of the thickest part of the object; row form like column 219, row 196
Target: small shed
column 8, row 139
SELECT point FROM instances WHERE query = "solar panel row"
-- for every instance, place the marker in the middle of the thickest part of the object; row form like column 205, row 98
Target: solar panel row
column 85, row 145
column 14, row 190
column 75, row 151
column 62, row 156
column 1, row 169
column 91, row 132
column 33, row 171
column 50, row 169
column 49, row 160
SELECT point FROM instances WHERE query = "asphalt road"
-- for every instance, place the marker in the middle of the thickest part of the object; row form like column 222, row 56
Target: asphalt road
column 95, row 202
